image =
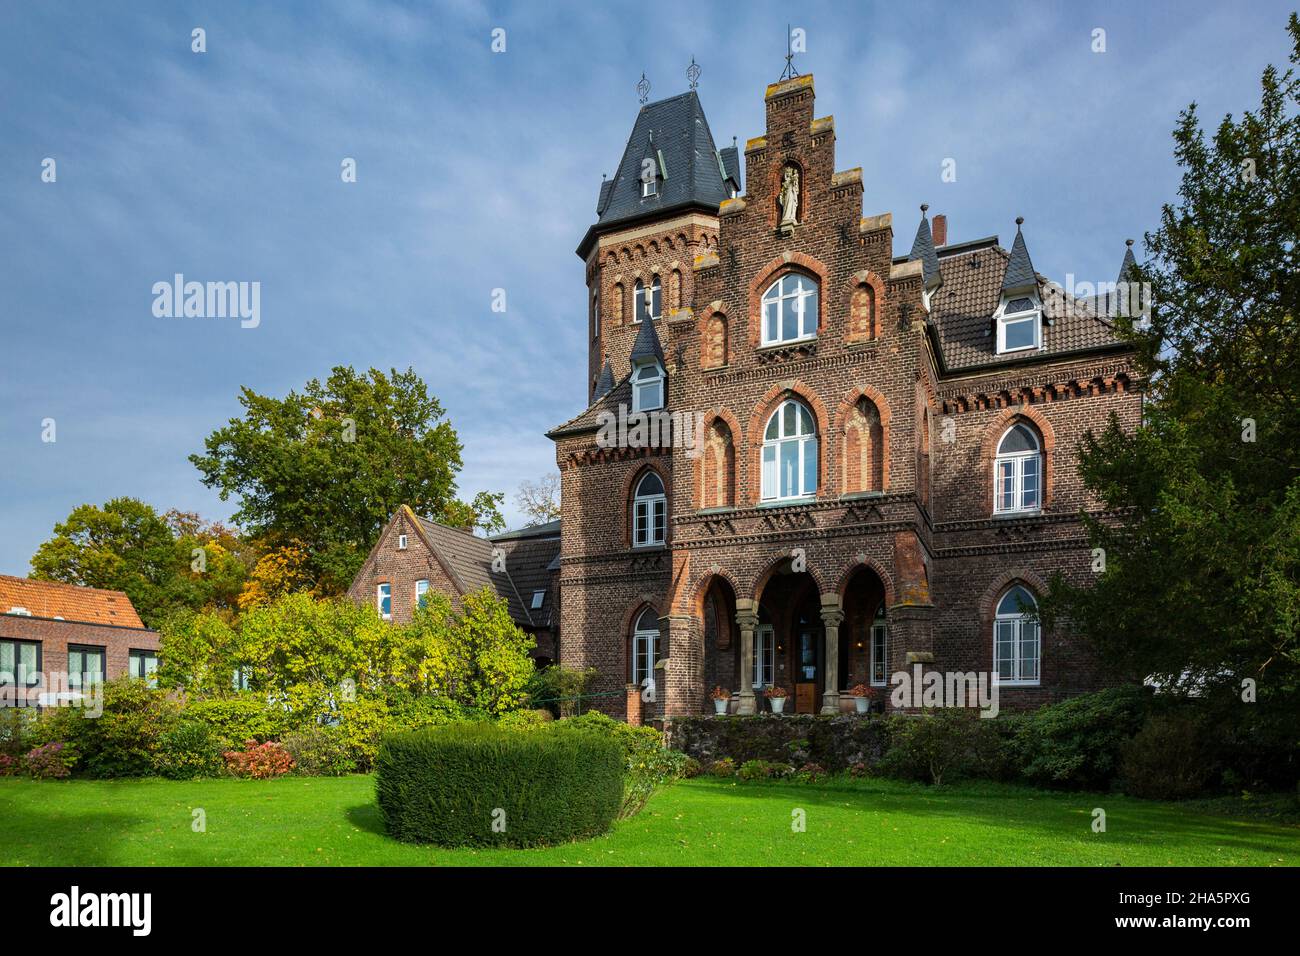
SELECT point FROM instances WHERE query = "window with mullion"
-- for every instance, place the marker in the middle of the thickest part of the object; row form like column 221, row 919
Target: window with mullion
column 879, row 652
column 85, row 666
column 645, row 651
column 789, row 454
column 142, row 665
column 764, row 658
column 20, row 663
column 790, row 309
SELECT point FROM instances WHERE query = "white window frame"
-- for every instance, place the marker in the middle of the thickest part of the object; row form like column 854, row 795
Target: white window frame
column 1015, row 466
column 421, row 589
column 649, row 187
column 642, row 382
column 1013, row 318
column 1016, row 630
column 647, row 532
column 401, row 542
column 764, row 654
column 645, row 650
column 878, row 635
column 771, row 460
column 383, row 591
column 775, row 301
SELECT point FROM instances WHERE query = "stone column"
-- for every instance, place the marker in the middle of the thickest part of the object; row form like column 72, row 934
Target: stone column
column 747, row 621
column 832, row 617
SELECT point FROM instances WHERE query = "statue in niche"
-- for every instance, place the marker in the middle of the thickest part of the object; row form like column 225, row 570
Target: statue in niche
column 789, row 198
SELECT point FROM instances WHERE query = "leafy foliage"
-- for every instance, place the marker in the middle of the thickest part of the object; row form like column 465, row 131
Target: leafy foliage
column 1077, row 743
column 648, row 764
column 187, row 751
column 259, row 761
column 944, row 744
column 124, row 740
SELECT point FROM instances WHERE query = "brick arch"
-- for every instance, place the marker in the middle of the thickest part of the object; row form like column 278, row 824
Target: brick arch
column 842, row 412
column 693, row 599
column 788, row 262
column 619, row 303
column 726, row 417
column 705, row 325
column 988, row 602
column 868, row 330
column 758, row 419
column 629, row 486
column 769, row 571
column 989, row 448
column 864, row 561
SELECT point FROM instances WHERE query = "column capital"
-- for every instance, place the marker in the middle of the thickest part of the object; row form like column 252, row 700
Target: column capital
column 832, row 616
column 746, row 620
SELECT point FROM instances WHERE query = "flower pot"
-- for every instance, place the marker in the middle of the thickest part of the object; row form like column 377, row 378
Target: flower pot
column 720, row 705
column 861, row 704
column 778, row 704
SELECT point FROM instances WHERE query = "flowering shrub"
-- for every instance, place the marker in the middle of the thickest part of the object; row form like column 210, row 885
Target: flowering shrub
column 775, row 691
column 810, row 773
column 726, row 767
column 763, row 770
column 258, row 761
column 52, row 761
column 9, row 765
column 720, row 693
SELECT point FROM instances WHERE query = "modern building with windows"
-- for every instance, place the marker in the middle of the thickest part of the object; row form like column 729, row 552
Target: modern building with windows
column 877, row 466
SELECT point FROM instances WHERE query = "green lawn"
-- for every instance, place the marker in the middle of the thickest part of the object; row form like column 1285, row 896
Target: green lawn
column 310, row 820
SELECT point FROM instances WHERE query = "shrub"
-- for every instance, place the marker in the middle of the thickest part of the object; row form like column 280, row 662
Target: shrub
column 187, row 751
column 810, row 773
column 1171, row 758
column 558, row 688
column 726, row 767
column 16, row 732
column 364, row 722
column 649, row 765
column 9, row 765
column 412, row 711
column 238, row 718
column 320, row 752
column 1077, row 743
column 931, row 746
column 525, row 719
column 52, row 761
column 691, row 768
column 752, row 770
column 481, row 784
column 123, row 740
column 259, row 761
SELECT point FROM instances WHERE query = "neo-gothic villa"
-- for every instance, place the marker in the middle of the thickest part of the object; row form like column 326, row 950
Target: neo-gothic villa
column 883, row 469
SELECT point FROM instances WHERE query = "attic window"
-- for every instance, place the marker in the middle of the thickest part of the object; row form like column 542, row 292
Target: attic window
column 1019, row 325
column 647, row 387
column 649, row 187
column 538, row 598
column 20, row 611
column 401, row 542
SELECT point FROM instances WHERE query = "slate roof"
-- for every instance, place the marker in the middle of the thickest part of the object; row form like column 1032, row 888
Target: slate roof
column 53, row 599
column 974, row 276
column 675, row 133
column 647, row 344
column 1020, row 275
column 606, row 380
column 923, row 249
column 588, row 420
column 532, row 562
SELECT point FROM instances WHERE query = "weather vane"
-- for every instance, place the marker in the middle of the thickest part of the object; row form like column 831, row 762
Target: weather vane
column 643, row 88
column 693, row 73
column 790, row 72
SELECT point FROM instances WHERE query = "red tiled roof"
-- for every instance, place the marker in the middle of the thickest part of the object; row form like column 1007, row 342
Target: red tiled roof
column 68, row 601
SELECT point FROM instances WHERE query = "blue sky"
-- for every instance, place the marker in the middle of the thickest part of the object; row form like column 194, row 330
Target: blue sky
column 479, row 170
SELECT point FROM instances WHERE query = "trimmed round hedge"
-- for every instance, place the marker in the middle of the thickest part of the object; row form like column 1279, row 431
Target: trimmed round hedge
column 478, row 784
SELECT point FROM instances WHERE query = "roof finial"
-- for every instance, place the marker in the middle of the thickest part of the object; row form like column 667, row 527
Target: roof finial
column 1020, row 221
column 789, row 73
column 693, row 73
column 925, row 207
column 643, row 88
column 1129, row 243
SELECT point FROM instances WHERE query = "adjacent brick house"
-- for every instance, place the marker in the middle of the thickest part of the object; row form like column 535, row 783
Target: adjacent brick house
column 59, row 634
column 883, row 470
column 415, row 555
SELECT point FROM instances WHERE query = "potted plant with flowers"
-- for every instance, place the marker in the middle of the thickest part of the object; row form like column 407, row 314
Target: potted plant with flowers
column 776, row 696
column 721, row 698
column 862, row 697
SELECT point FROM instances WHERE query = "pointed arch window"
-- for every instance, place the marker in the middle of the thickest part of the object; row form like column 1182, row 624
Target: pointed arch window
column 879, row 649
column 1018, row 471
column 645, row 647
column 790, row 309
column 1017, row 645
column 649, row 511
column 790, row 453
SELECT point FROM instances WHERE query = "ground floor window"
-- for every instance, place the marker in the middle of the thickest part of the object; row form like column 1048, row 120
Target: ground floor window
column 764, row 657
column 20, row 663
column 1017, row 644
column 143, row 665
column 645, row 648
column 879, row 650
column 85, row 666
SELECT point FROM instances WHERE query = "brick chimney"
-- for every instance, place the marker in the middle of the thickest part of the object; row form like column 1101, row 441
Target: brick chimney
column 939, row 229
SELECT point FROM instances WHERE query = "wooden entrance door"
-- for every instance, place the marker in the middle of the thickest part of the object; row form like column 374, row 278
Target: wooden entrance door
column 809, row 668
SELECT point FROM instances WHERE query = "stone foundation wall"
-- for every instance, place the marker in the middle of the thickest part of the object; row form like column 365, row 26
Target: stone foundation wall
column 834, row 742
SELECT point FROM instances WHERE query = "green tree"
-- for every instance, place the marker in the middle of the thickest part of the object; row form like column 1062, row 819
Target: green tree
column 497, row 651
column 1202, row 546
column 327, row 466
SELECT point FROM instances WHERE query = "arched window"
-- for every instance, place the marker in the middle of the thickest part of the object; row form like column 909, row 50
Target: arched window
column 647, row 387
column 620, row 303
column 1017, row 472
column 656, row 299
column 647, row 303
column 790, row 309
column 1016, row 644
column 645, row 647
column 638, row 301
column 864, row 448
column 790, row 453
column 649, row 510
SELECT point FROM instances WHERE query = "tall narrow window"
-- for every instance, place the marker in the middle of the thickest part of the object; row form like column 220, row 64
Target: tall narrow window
column 645, row 647
column 1017, row 472
column 790, row 309
column 640, row 308
column 789, row 453
column 764, row 657
column 656, row 299
column 879, row 649
column 384, row 600
column 85, row 666
column 421, row 592
column 649, row 511
column 1016, row 640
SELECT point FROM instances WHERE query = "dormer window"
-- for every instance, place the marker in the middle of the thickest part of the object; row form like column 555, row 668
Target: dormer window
column 647, row 387
column 1020, row 324
column 649, row 187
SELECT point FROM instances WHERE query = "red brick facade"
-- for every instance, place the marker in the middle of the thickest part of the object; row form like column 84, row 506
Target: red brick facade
column 902, row 516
